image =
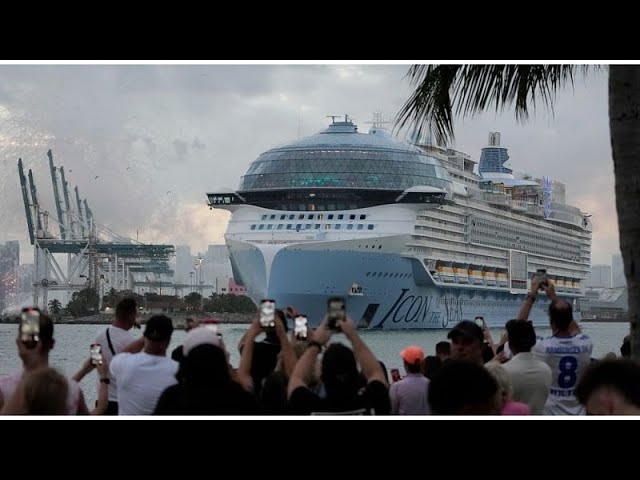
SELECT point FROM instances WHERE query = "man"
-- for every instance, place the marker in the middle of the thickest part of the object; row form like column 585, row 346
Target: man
column 409, row 395
column 432, row 364
column 530, row 377
column 466, row 342
column 142, row 377
column 34, row 353
column 610, row 387
column 567, row 351
column 113, row 340
column 178, row 353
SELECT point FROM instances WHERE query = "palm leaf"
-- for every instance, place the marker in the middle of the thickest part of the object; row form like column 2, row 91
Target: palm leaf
column 470, row 89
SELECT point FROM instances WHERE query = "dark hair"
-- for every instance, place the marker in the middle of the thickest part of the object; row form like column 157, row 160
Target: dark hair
column 206, row 365
column 443, row 348
column 625, row 348
column 487, row 353
column 623, row 375
column 126, row 308
column 461, row 387
column 522, row 335
column 340, row 374
column 561, row 314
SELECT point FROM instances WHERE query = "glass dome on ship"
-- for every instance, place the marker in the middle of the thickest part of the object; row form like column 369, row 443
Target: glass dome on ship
column 341, row 169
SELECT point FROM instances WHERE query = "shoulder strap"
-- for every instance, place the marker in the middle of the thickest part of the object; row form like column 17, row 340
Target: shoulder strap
column 113, row 352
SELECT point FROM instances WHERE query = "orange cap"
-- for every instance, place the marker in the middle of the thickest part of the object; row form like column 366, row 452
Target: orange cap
column 412, row 354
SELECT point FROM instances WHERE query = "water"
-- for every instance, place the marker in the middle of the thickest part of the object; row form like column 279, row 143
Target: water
column 72, row 345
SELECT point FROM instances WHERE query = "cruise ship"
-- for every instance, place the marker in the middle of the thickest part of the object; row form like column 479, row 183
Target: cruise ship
column 412, row 235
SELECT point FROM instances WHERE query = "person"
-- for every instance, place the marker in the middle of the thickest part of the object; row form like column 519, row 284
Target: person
column 530, row 376
column 625, row 348
column 567, row 351
column 143, row 376
column 34, row 355
column 409, row 395
column 509, row 405
column 467, row 340
column 463, row 387
column 177, row 354
column 113, row 340
column 433, row 363
column 206, row 385
column 347, row 392
column 610, row 387
column 41, row 392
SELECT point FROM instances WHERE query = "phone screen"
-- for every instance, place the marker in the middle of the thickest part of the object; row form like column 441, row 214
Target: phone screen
column 300, row 328
column 30, row 327
column 267, row 313
column 395, row 375
column 479, row 321
column 336, row 312
column 96, row 354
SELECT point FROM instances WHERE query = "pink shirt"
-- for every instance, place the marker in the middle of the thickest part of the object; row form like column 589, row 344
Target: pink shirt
column 515, row 408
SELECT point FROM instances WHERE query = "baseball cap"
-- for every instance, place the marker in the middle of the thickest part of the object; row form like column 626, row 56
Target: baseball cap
column 159, row 328
column 412, row 354
column 203, row 335
column 467, row 330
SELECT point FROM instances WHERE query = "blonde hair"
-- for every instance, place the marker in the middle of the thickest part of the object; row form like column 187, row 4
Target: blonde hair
column 45, row 392
column 501, row 376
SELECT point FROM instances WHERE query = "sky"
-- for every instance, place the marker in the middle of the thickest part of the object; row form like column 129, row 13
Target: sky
column 144, row 143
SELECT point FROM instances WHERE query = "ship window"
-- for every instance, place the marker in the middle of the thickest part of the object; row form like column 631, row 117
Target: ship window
column 327, row 226
column 330, row 216
column 272, row 217
column 350, row 227
column 320, row 216
column 310, row 216
column 269, row 227
column 261, row 227
column 301, row 216
column 362, row 217
column 317, row 226
column 351, row 217
column 279, row 226
column 288, row 226
column 307, row 226
column 360, row 226
column 338, row 226
column 340, row 217
column 264, row 217
column 370, row 227
column 291, row 217
column 253, row 227
column 282, row 217
column 298, row 227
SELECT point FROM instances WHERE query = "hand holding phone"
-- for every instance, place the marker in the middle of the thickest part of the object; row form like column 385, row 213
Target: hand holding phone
column 300, row 329
column 543, row 280
column 267, row 313
column 96, row 354
column 395, row 375
column 479, row 321
column 336, row 312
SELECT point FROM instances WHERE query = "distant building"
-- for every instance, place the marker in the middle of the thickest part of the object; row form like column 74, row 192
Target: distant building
column 600, row 277
column 9, row 262
column 184, row 264
column 617, row 272
column 25, row 278
column 605, row 303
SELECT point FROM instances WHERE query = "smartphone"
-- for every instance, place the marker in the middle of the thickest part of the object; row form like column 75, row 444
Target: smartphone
column 268, row 313
column 395, row 375
column 300, row 329
column 30, row 327
column 336, row 312
column 543, row 280
column 479, row 321
column 96, row 354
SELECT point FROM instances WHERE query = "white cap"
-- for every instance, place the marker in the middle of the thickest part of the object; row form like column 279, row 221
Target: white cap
column 203, row 335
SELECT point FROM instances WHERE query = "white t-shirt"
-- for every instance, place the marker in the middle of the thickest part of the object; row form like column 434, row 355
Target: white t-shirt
column 568, row 357
column 141, row 379
column 119, row 339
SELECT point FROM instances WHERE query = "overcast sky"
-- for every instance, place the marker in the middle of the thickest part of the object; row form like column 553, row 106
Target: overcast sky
column 159, row 136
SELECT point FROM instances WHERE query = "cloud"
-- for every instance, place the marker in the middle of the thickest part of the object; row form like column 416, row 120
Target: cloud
column 146, row 130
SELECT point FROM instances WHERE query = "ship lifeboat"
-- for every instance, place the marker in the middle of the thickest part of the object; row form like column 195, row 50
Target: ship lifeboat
column 489, row 276
column 461, row 272
column 501, row 277
column 445, row 272
column 355, row 290
column 475, row 274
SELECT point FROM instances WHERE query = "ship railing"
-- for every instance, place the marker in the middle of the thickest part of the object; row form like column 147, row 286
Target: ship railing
column 497, row 198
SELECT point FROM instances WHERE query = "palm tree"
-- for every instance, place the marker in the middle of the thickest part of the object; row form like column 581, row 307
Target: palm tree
column 55, row 308
column 474, row 88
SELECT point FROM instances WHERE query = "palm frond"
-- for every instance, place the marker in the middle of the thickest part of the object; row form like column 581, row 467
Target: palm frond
column 470, row 89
